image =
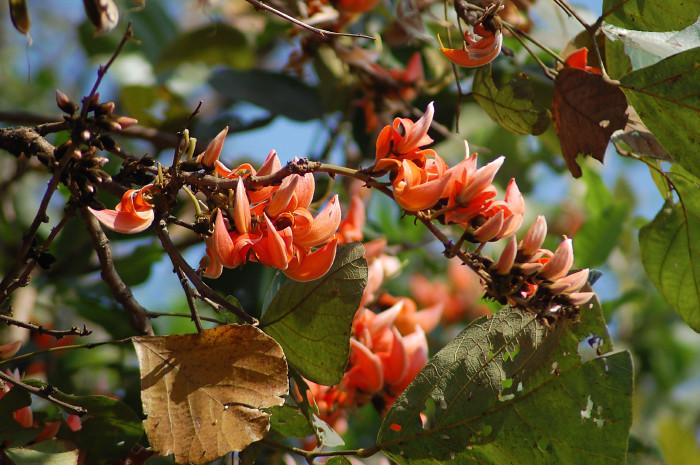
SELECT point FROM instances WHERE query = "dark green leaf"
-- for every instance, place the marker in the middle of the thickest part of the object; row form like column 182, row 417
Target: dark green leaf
column 109, row 430
column 312, row 320
column 667, row 99
column 339, row 460
column 213, row 44
column 509, row 390
column 50, row 452
column 135, row 268
column 512, row 105
column 670, row 248
column 290, row 422
column 9, row 428
column 278, row 93
column 651, row 15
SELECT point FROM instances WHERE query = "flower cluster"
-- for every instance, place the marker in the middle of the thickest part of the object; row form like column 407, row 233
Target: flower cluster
column 461, row 194
column 273, row 225
column 476, row 52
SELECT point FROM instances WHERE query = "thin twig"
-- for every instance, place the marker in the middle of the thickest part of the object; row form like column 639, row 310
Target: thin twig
column 201, row 287
column 190, row 299
column 310, row 455
column 322, row 32
column 120, row 291
column 154, row 315
column 90, row 345
column 57, row 333
column 45, row 392
column 102, row 70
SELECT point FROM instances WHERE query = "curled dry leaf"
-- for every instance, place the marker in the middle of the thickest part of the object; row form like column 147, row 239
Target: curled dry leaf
column 104, row 14
column 20, row 15
column 203, row 394
column 586, row 111
column 639, row 139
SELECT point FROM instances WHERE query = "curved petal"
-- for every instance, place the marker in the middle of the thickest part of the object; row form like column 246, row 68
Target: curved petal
column 281, row 199
column 314, row 265
column 428, row 318
column 417, row 134
column 272, row 249
column 211, row 154
column 534, row 238
column 124, row 222
column 305, row 190
column 490, row 229
column 350, row 229
column 241, row 209
column 366, row 373
column 222, row 244
column 324, row 226
column 422, row 196
column 560, row 263
column 210, row 264
column 481, row 180
column 394, row 362
column 271, row 164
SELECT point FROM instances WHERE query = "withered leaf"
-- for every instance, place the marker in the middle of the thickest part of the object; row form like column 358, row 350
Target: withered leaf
column 203, row 393
column 586, row 111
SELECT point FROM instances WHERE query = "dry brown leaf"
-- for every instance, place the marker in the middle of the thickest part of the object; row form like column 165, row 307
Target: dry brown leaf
column 203, row 393
column 637, row 137
column 586, row 111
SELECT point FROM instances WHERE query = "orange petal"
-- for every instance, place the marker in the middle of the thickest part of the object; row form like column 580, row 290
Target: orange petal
column 280, row 201
column 305, row 190
column 429, row 318
column 241, row 208
column 366, row 373
column 385, row 319
column 314, row 265
column 10, row 349
column 477, row 53
column 560, row 263
column 24, row 417
column 394, row 362
column 416, row 346
column 272, row 250
column 222, row 244
column 421, row 196
column 350, row 229
column 211, row 265
column 124, row 222
column 324, row 226
column 211, row 154
column 490, row 229
column 417, row 133
column 271, row 164
column 414, row 69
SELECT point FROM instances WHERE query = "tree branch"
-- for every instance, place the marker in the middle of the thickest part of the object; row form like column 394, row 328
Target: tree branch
column 57, row 333
column 45, row 392
column 121, row 292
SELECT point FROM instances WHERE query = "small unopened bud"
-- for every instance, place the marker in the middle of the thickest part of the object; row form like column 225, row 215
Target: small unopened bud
column 570, row 283
column 535, row 237
column 213, row 150
column 580, row 298
column 115, row 127
column 126, row 121
column 482, row 179
column 105, row 108
column 65, row 103
column 490, row 229
column 560, row 263
column 505, row 262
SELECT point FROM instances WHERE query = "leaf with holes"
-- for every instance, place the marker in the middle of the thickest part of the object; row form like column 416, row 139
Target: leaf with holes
column 512, row 105
column 586, row 111
column 312, row 320
column 510, row 390
column 203, row 394
column 670, row 248
column 667, row 98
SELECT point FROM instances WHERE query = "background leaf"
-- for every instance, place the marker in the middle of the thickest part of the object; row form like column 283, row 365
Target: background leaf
column 312, row 320
column 44, row 453
column 508, row 390
column 670, row 248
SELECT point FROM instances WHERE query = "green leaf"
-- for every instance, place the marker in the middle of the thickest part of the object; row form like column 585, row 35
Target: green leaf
column 677, row 442
column 213, row 44
column 109, row 430
column 290, row 422
column 508, row 390
column 9, row 428
column 278, row 93
column 605, row 217
column 666, row 97
column 44, row 453
column 651, row 15
column 135, row 268
column 338, row 460
column 512, row 105
column 670, row 248
column 312, row 320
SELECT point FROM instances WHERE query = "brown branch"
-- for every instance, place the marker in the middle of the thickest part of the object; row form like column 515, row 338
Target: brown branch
column 204, row 290
column 154, row 315
column 57, row 333
column 190, row 298
column 321, row 32
column 25, row 142
column 120, row 291
column 45, row 392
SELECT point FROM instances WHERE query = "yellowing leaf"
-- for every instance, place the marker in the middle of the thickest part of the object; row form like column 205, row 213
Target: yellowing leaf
column 203, row 393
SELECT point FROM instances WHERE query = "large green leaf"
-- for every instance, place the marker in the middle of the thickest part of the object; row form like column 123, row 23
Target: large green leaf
column 213, row 44
column 651, row 15
column 670, row 248
column 667, row 99
column 290, row 422
column 508, row 390
column 109, row 430
column 512, row 104
column 312, row 320
column 278, row 93
column 44, row 453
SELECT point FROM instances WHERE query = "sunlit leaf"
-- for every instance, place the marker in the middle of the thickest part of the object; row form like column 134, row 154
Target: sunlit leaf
column 667, row 99
column 290, row 422
column 312, row 320
column 51, row 452
column 509, row 390
column 203, row 394
column 670, row 248
column 512, row 104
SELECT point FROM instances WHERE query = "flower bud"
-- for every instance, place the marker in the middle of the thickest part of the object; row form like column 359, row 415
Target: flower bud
column 482, row 179
column 65, row 103
column 560, row 263
column 490, row 229
column 535, row 237
column 570, row 283
column 505, row 262
column 579, row 298
column 126, row 121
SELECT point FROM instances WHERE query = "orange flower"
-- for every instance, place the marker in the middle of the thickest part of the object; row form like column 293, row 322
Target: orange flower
column 277, row 231
column 403, row 139
column 133, row 214
column 475, row 53
column 579, row 59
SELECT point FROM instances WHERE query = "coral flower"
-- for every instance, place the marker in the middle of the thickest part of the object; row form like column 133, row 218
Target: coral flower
column 475, row 52
column 403, row 139
column 132, row 215
column 579, row 59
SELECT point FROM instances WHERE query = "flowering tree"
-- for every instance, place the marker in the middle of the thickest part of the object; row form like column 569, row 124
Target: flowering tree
column 410, row 301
